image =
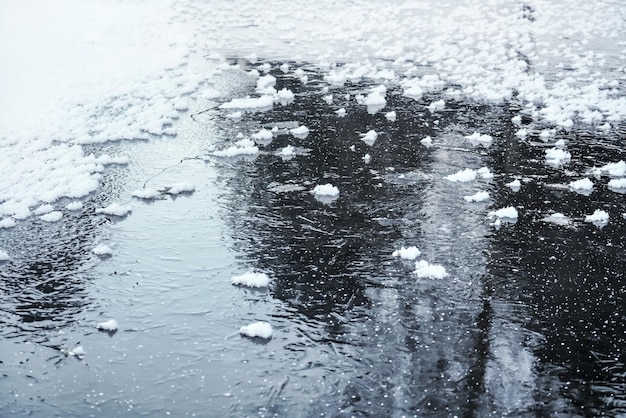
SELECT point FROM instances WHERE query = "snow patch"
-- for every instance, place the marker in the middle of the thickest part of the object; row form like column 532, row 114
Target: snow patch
column 410, row 253
column 257, row 329
column 423, row 269
column 251, row 280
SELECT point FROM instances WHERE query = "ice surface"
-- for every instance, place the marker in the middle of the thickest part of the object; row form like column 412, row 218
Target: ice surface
column 410, row 253
column 325, row 190
column 251, row 279
column 257, row 329
column 110, row 325
column 115, row 209
column 423, row 269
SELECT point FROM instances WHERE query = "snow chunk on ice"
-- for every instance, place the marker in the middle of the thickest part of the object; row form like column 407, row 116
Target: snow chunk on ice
column 462, row 176
column 263, row 135
column 391, row 116
column 102, row 249
column 341, row 112
column 367, row 158
column 557, row 218
column 325, row 190
column 146, row 194
column 480, row 139
column 180, row 188
column 612, row 169
column 110, row 325
column 410, row 253
column 7, row 223
column 4, row 256
column 77, row 351
column 437, row 105
column 598, row 217
column 115, row 209
column 236, row 150
column 265, row 101
column 328, row 99
column 556, row 156
column 582, row 185
column 300, row 132
column 427, row 141
column 287, row 152
column 515, row 185
column 434, row 271
column 477, row 197
column 285, row 96
column 257, row 329
column 505, row 213
column 251, row 280
column 43, row 209
column 76, row 205
column 369, row 137
column 52, row 216
column 617, row 184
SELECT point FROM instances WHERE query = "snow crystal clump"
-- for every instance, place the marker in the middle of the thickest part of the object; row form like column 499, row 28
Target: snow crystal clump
column 325, row 190
column 115, row 209
column 257, row 329
column 251, row 280
column 102, row 249
column 583, row 185
column 52, row 216
column 556, row 156
column 110, row 325
column 424, row 269
column 4, row 256
column 598, row 217
column 477, row 197
column 462, row 176
column 146, row 194
column 410, row 253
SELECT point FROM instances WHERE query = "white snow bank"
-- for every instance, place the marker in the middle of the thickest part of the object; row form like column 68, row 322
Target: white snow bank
column 257, row 329
column 251, row 279
column 110, row 325
column 477, row 197
column 115, row 209
column 434, row 271
column 410, row 253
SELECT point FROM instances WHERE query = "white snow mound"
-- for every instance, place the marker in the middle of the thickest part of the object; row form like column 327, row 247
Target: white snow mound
column 410, row 253
column 434, row 271
column 251, row 280
column 257, row 329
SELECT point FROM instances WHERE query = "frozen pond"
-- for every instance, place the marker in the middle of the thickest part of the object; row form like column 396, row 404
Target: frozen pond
column 463, row 254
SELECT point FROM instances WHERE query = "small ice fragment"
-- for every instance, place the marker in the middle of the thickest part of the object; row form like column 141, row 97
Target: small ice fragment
column 110, row 325
column 557, row 218
column 325, row 190
column 515, row 185
column 284, row 68
column 115, row 209
column 517, row 120
column 75, row 205
column 556, row 156
column 391, row 116
column 477, row 197
column 462, row 176
column 52, row 216
column 599, row 217
column 257, row 329
column 479, row 139
column 427, row 141
column 102, row 249
column 288, row 151
column 485, row 173
column 78, row 351
column 434, row 271
column 251, row 280
column 182, row 187
column 617, row 184
column 583, row 185
column 505, row 213
column 328, row 99
column 521, row 133
column 341, row 112
column 300, row 132
column 146, row 194
column 352, row 148
column 4, row 256
column 235, row 151
column 263, row 135
column 410, row 253
column 285, row 96
column 437, row 105
column 369, row 137
column 367, row 158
